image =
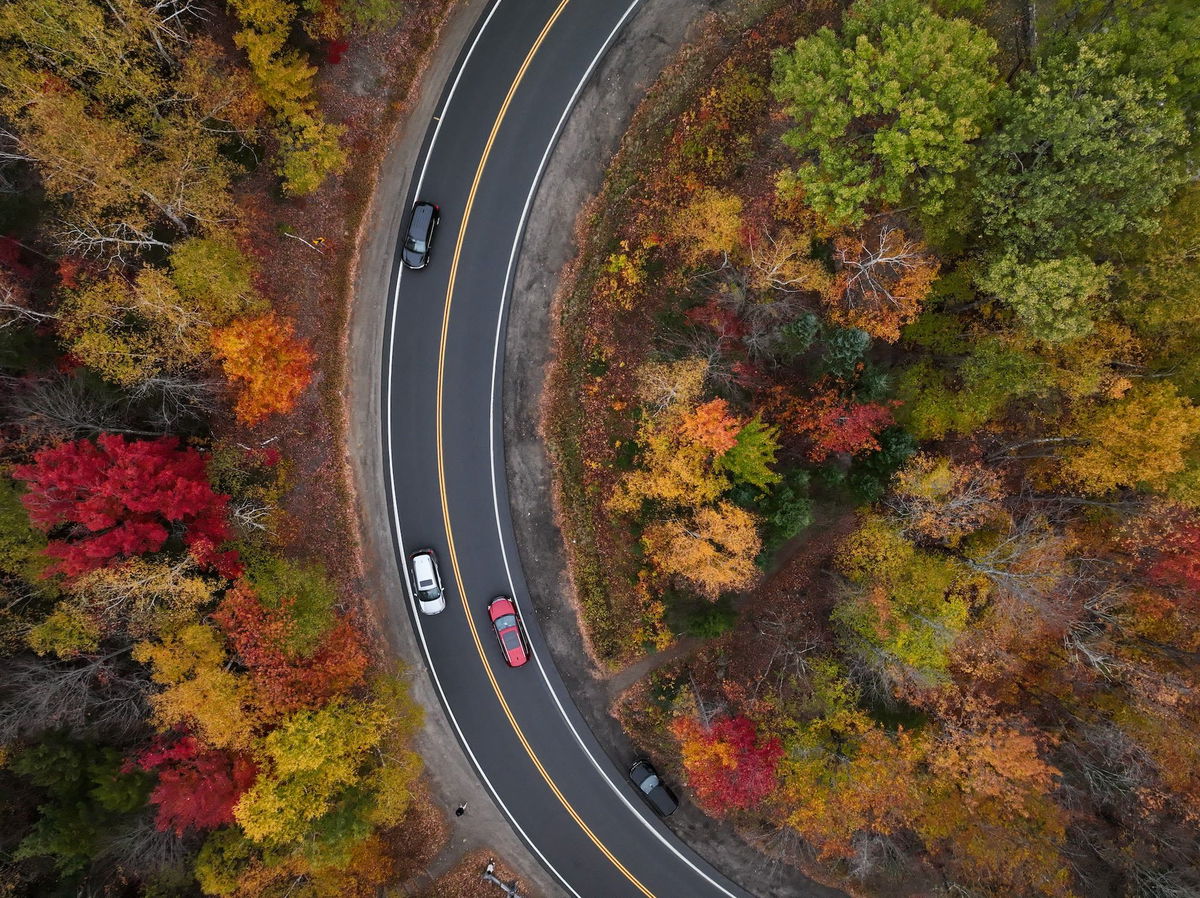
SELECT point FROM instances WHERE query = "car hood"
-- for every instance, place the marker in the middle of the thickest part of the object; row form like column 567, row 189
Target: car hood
column 432, row 606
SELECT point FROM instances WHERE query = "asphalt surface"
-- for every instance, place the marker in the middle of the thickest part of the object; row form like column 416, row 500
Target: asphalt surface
column 443, row 448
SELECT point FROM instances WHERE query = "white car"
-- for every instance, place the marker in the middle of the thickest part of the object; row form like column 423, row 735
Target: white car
column 427, row 582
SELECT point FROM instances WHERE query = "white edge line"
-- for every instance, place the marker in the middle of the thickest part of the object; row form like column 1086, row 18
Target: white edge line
column 416, row 612
column 619, row 791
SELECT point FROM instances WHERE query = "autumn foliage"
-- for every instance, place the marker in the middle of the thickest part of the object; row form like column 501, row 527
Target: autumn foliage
column 269, row 363
column 197, row 787
column 713, row 425
column 186, row 706
column 284, row 680
column 836, row 425
column 113, row 498
column 881, row 282
column 713, row 549
column 951, row 317
column 730, row 767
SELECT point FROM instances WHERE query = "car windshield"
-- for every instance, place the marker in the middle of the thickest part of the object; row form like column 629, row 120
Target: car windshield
column 511, row 640
column 417, row 246
column 650, row 783
column 503, row 623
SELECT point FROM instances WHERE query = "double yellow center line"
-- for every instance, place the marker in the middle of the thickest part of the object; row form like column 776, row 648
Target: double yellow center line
column 462, row 592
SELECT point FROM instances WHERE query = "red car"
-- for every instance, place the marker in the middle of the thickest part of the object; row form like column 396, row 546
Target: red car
column 506, row 621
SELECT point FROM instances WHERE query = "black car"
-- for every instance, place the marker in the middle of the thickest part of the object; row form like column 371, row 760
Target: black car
column 418, row 239
column 660, row 797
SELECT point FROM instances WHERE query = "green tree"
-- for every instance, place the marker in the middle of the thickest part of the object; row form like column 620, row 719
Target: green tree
column 1156, row 39
column 749, row 460
column 306, row 591
column 328, row 21
column 991, row 373
column 223, row 859
column 905, row 620
column 786, row 510
column 1056, row 299
column 889, row 108
column 215, row 277
column 87, row 792
column 1086, row 150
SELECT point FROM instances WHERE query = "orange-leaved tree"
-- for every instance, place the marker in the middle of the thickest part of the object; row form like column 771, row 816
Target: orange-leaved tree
column 881, row 283
column 286, row 680
column 712, row 424
column 713, row 548
column 990, row 809
column 674, row 468
column 272, row 365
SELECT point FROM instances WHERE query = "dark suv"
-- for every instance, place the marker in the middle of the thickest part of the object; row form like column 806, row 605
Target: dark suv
column 656, row 792
column 418, row 239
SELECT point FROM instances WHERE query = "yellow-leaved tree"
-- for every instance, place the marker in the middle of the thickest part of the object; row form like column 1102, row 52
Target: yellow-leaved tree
column 713, row 548
column 347, row 758
column 131, row 330
column 201, row 693
column 1142, row 439
column 709, row 225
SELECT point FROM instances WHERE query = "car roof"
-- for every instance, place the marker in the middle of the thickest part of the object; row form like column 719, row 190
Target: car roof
column 423, row 565
column 422, row 213
column 662, row 799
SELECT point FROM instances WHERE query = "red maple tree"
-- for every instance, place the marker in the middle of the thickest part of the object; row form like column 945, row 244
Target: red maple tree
column 728, row 765
column 1176, row 563
column 287, row 680
column 835, row 425
column 197, row 786
column 114, row 498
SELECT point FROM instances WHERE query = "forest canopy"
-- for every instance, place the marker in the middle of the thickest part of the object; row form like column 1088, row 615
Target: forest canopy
column 191, row 702
column 936, row 262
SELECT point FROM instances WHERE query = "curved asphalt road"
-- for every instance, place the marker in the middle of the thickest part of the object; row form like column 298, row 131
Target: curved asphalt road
column 443, row 447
